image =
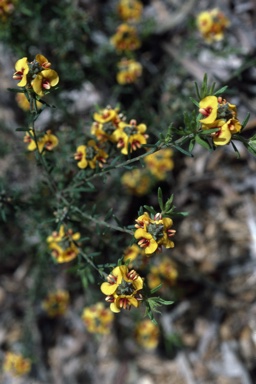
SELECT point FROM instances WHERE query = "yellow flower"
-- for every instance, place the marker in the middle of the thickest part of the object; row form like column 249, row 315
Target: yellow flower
column 147, row 334
column 97, row 319
column 28, row 139
column 137, row 181
column 125, row 38
column 48, row 141
column 130, row 9
column 113, row 281
column 62, row 245
column 204, row 22
column 146, row 241
column 226, row 130
column 164, row 272
column 56, row 303
column 122, row 288
column 23, row 102
column 208, row 107
column 16, row 364
column 160, row 162
column 22, row 69
column 43, row 61
column 130, row 136
column 154, row 233
column 106, row 115
column 132, row 252
column 6, row 8
column 211, row 25
column 129, row 71
column 44, row 80
column 90, row 155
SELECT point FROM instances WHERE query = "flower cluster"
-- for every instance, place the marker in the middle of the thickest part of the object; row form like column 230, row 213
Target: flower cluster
column 154, row 233
column 122, row 288
column 159, row 163
column 6, row 9
column 46, row 142
column 56, row 303
column 62, row 245
column 126, row 40
column 218, row 113
column 164, row 272
column 35, row 76
column 212, row 24
column 109, row 128
column 16, row 364
column 97, row 319
column 147, row 334
column 90, row 155
column 140, row 181
column 130, row 10
column 129, row 71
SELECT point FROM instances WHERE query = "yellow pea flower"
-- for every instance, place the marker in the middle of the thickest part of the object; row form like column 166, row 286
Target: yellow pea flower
column 44, row 80
column 98, row 319
column 22, row 69
column 16, row 364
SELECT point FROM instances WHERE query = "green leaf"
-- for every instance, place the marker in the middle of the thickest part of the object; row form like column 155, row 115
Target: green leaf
column 212, row 88
column 244, row 123
column 197, row 91
column 221, row 90
column 204, row 143
column 160, row 198
column 194, row 102
column 156, row 288
column 109, row 214
column 209, row 131
column 15, row 90
column 182, row 150
column 236, row 150
column 191, row 145
column 150, row 209
column 22, row 129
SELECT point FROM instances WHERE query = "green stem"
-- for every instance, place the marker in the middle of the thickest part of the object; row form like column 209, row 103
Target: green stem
column 102, row 222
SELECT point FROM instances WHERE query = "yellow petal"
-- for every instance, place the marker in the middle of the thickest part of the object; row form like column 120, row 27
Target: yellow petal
column 108, row 289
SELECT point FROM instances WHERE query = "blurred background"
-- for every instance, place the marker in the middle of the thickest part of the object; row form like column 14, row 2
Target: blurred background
column 208, row 336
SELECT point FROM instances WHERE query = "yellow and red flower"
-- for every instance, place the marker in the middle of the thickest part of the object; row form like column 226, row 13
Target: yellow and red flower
column 129, row 71
column 164, row 272
column 16, row 364
column 125, row 38
column 159, row 163
column 48, row 141
column 35, row 75
column 22, row 70
column 222, row 115
column 212, row 24
column 138, row 181
column 6, row 9
column 97, row 319
column 154, row 233
column 90, row 155
column 130, row 136
column 63, row 244
column 122, row 288
column 130, row 10
column 147, row 334
column 56, row 303
column 44, row 81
